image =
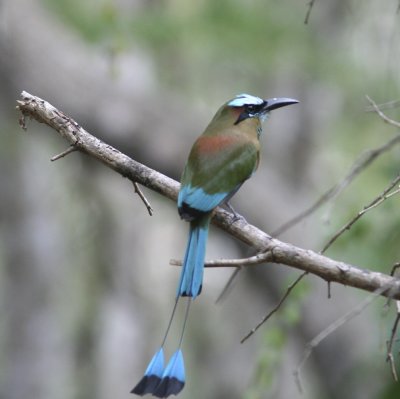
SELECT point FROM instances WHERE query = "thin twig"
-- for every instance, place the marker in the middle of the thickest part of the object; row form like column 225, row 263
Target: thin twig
column 329, row 289
column 381, row 114
column 307, row 212
column 236, row 263
column 394, row 268
column 250, row 261
column 330, row 329
column 387, row 105
column 310, row 6
column 71, row 148
column 390, row 357
column 393, row 274
column 139, row 192
column 228, row 286
column 374, row 203
column 275, row 309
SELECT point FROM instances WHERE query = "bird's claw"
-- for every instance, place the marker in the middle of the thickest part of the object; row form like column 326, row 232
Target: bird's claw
column 237, row 217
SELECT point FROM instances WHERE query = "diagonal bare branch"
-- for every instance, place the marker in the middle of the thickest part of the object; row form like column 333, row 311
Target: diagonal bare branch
column 373, row 204
column 330, row 329
column 275, row 309
column 310, row 6
column 278, row 251
column 145, row 201
column 383, row 116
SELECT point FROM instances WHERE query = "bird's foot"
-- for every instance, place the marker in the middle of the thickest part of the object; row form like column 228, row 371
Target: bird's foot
column 235, row 216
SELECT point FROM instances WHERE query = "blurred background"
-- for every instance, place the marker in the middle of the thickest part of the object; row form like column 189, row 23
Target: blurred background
column 86, row 289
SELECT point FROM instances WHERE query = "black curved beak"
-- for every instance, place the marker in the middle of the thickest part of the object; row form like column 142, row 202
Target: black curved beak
column 274, row 103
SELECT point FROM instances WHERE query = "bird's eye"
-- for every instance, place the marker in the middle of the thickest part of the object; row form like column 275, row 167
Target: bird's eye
column 251, row 109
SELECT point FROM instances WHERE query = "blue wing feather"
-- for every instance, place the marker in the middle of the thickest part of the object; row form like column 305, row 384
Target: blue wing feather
column 196, row 198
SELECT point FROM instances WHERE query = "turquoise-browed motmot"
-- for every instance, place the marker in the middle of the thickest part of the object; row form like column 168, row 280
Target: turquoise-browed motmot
column 220, row 161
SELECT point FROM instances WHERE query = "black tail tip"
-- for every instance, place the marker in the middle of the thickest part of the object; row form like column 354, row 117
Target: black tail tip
column 147, row 384
column 168, row 386
column 160, row 388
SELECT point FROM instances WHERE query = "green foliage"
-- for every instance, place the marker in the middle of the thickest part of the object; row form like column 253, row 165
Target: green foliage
column 209, row 40
column 268, row 363
column 274, row 339
column 93, row 19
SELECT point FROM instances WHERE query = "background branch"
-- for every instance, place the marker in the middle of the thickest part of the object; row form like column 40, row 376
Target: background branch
column 275, row 309
column 330, row 329
column 373, row 204
column 363, row 161
column 279, row 251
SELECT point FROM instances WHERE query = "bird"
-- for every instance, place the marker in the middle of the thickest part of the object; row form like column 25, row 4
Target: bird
column 220, row 161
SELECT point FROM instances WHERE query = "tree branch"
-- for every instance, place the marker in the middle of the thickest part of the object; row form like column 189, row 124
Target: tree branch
column 310, row 6
column 278, row 251
column 275, row 309
column 373, row 204
column 330, row 329
column 378, row 110
column 361, row 163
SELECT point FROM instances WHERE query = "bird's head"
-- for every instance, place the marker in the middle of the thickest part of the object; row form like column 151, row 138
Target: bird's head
column 244, row 112
column 246, row 106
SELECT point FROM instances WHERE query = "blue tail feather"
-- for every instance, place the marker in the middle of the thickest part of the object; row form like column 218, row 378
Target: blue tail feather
column 193, row 265
column 162, row 382
column 173, row 378
column 152, row 376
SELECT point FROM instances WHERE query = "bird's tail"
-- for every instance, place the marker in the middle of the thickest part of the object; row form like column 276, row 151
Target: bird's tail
column 193, row 264
column 158, row 380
